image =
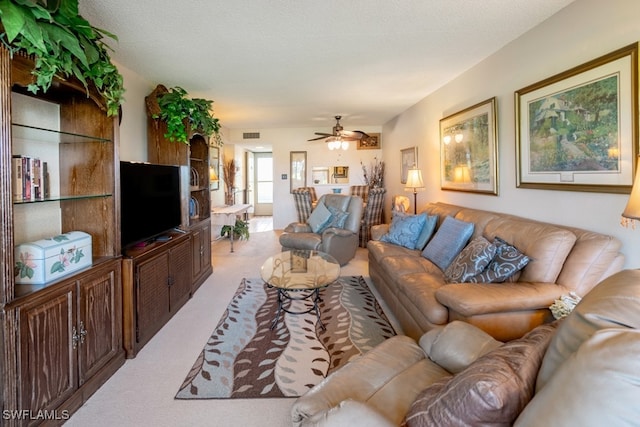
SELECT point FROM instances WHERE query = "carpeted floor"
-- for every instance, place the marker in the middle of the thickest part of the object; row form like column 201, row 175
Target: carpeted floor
column 245, row 358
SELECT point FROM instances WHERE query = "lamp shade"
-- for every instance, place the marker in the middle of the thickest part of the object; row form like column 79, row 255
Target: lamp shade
column 414, row 179
column 631, row 212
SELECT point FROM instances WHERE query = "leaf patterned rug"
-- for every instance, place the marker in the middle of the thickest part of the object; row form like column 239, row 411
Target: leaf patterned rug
column 245, row 358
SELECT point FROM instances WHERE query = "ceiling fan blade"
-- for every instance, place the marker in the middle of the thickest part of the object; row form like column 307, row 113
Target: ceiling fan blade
column 356, row 134
column 319, row 138
column 324, row 134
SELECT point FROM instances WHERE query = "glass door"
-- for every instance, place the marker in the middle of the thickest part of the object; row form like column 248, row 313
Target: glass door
column 263, row 178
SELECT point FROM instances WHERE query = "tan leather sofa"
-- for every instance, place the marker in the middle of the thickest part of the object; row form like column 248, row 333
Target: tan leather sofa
column 583, row 370
column 563, row 259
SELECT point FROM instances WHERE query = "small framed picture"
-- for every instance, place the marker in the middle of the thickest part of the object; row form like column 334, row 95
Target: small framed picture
column 408, row 159
column 370, row 143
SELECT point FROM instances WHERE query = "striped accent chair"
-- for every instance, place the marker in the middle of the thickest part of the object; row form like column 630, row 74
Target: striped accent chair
column 314, row 197
column 304, row 206
column 359, row 190
column 373, row 213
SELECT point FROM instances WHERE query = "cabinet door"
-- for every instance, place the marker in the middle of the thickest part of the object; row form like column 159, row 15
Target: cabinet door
column 180, row 274
column 201, row 253
column 100, row 325
column 46, row 354
column 152, row 297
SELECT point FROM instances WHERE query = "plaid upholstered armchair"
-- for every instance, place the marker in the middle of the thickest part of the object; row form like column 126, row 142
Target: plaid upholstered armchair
column 372, row 215
column 303, row 200
column 360, row 190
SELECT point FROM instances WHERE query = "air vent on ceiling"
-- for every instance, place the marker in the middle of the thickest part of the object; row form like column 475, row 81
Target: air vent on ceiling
column 251, row 135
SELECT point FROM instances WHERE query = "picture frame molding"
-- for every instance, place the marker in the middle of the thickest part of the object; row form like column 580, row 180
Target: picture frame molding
column 297, row 170
column 627, row 125
column 371, row 143
column 489, row 108
column 408, row 159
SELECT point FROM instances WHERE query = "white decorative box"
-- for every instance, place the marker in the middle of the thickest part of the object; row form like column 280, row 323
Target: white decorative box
column 46, row 260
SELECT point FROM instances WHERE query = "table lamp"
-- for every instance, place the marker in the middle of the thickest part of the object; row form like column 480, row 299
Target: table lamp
column 631, row 212
column 414, row 183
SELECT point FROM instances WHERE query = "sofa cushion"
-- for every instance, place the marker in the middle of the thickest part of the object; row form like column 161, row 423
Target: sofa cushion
column 491, row 391
column 449, row 240
column 319, row 218
column 614, row 302
column 546, row 245
column 472, row 260
column 405, row 229
column 599, row 385
column 431, row 221
column 508, row 261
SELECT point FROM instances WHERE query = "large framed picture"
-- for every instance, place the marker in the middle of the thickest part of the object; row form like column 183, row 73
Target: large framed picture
column 370, row 143
column 469, row 149
column 577, row 130
column 408, row 160
column 298, row 169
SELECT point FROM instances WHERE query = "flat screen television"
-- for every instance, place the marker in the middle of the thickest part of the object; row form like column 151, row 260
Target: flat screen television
column 150, row 201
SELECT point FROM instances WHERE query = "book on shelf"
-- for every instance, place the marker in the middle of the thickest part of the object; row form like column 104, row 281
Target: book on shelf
column 30, row 178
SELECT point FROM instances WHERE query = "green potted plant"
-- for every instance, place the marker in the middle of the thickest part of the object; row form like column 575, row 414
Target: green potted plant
column 179, row 111
column 63, row 45
column 240, row 230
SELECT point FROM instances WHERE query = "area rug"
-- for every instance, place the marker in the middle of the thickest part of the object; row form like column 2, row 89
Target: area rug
column 245, row 358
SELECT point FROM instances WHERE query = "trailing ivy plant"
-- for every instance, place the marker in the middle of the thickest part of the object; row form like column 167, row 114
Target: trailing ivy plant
column 176, row 109
column 63, row 43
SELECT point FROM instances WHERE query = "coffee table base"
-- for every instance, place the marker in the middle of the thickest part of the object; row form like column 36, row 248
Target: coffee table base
column 284, row 296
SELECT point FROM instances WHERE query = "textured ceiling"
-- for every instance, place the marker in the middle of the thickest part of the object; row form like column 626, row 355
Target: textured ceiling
column 298, row 63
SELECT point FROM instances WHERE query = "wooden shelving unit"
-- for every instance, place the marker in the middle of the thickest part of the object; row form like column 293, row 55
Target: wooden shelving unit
column 61, row 340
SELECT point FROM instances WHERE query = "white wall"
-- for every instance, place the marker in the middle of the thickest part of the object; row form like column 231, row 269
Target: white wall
column 295, row 139
column 583, row 31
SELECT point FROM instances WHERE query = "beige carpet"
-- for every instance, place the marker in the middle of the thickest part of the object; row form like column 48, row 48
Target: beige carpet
column 142, row 392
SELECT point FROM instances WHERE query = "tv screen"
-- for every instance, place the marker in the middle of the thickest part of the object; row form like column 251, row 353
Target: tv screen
column 150, row 201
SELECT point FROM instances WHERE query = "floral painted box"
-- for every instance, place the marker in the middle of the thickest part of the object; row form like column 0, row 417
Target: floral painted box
column 46, row 260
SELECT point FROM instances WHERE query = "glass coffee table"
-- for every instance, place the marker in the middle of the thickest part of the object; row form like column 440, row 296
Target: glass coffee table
column 299, row 275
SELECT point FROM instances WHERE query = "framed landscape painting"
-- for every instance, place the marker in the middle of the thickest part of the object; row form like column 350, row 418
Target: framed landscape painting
column 577, row 130
column 469, row 150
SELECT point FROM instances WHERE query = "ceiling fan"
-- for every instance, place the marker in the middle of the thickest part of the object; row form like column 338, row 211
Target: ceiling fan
column 340, row 134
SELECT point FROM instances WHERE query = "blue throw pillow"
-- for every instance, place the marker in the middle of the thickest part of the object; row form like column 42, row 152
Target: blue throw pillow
column 319, row 218
column 427, row 230
column 449, row 240
column 337, row 220
column 404, row 230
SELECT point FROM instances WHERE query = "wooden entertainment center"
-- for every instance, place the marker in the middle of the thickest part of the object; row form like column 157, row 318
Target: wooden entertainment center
column 61, row 340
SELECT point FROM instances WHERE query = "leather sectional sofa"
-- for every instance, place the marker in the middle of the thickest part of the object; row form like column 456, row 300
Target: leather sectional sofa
column 562, row 260
column 582, row 370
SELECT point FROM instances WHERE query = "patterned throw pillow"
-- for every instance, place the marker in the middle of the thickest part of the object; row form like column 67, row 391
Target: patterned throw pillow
column 507, row 262
column 404, row 229
column 319, row 218
column 337, row 220
column 449, row 240
column 473, row 259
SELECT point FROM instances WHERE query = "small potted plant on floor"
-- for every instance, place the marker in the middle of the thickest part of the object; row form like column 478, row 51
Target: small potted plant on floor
column 240, row 230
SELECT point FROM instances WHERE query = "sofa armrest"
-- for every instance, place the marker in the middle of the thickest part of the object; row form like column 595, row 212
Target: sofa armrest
column 348, row 414
column 359, row 379
column 457, row 345
column 470, row 299
column 298, row 227
column 377, row 231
